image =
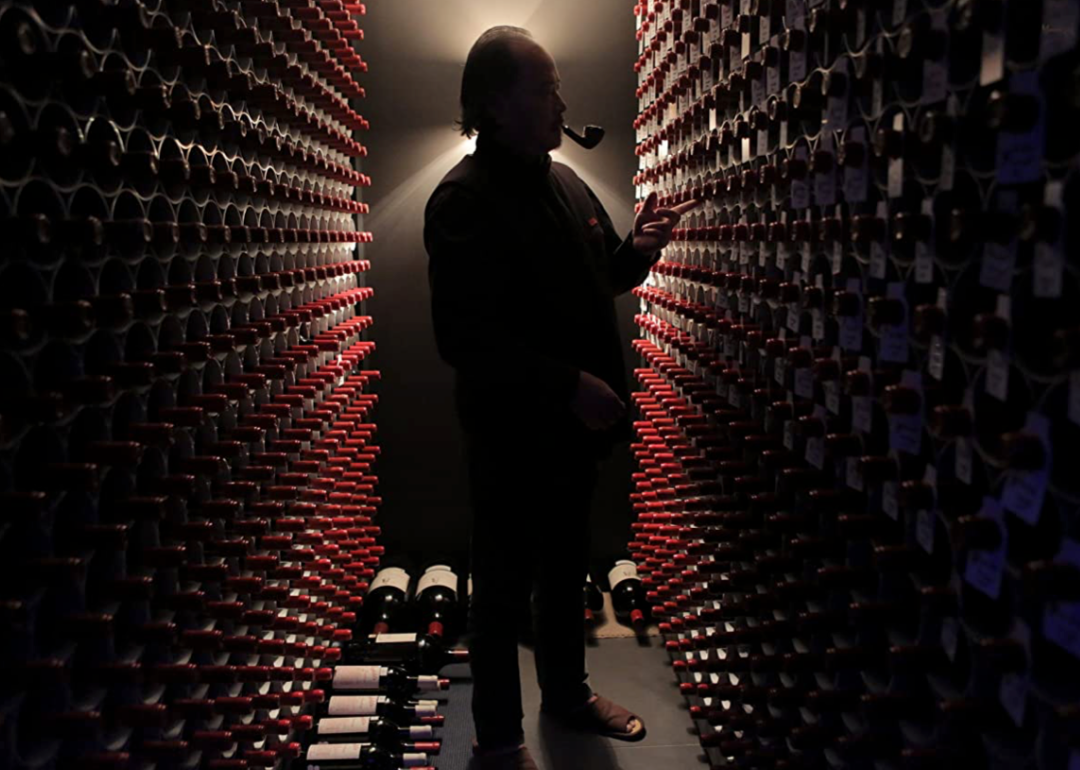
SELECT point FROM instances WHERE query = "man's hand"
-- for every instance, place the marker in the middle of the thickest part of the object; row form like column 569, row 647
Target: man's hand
column 652, row 226
column 595, row 403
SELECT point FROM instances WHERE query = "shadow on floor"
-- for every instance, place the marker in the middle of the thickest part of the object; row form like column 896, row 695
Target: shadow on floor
column 567, row 749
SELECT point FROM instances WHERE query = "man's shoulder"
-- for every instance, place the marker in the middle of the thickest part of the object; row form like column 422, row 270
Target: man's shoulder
column 466, row 175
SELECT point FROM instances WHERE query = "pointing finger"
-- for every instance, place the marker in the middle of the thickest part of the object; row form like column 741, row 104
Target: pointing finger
column 682, row 208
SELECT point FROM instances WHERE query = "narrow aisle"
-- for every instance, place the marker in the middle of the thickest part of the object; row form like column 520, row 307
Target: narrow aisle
column 630, row 671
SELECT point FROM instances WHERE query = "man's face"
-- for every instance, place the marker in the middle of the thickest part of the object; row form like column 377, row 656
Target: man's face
column 530, row 114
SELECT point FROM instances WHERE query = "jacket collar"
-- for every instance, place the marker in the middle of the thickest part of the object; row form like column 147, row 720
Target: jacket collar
column 508, row 162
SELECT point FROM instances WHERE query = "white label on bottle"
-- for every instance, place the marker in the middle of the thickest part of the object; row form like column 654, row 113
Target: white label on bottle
column 924, row 530
column 1061, row 620
column 344, row 725
column 414, row 760
column 442, row 577
column 1049, row 272
column 421, row 732
column 890, row 504
column 964, row 461
column 394, row 577
column 357, row 677
column 623, row 570
column 950, row 637
column 353, row 705
column 853, row 476
column 862, row 413
column 1060, row 19
column 326, row 752
column 1013, row 690
column 986, row 568
column 935, row 365
column 896, row 165
column 804, row 382
column 815, row 452
column 997, row 375
column 832, row 396
column 427, row 683
column 426, row 708
column 395, row 638
column 1025, row 490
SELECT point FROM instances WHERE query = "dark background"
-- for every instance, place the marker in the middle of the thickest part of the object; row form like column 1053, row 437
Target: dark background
column 416, row 51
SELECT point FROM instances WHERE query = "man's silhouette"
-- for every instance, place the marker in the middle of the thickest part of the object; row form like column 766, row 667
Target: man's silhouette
column 524, row 268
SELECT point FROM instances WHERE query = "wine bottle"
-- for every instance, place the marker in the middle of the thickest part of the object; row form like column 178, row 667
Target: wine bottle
column 416, row 653
column 628, row 593
column 387, row 597
column 392, row 680
column 423, row 712
column 436, row 599
column 359, row 756
column 376, row 730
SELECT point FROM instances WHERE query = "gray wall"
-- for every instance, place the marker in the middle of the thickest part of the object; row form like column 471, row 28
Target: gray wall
column 416, row 51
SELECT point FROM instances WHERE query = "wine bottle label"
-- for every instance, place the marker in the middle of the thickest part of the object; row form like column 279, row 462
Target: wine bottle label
column 344, row 725
column 623, row 570
column 395, row 638
column 421, row 733
column 358, row 677
column 437, row 576
column 414, row 760
column 393, row 577
column 427, row 683
column 426, row 709
column 353, row 705
column 323, row 752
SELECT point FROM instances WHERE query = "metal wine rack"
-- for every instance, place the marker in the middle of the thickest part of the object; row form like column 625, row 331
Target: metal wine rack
column 857, row 499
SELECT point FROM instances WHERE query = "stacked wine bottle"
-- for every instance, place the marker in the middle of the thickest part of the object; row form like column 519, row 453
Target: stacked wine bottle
column 187, row 439
column 860, row 378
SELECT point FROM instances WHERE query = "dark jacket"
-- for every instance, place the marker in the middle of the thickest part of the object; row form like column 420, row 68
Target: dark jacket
column 524, row 265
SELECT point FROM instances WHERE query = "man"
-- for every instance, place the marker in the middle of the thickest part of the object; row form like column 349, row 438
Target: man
column 524, row 267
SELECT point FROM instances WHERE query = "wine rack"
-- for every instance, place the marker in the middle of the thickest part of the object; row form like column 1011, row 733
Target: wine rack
column 857, row 505
column 187, row 440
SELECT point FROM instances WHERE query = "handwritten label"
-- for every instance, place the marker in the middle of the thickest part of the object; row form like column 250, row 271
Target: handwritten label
column 985, row 569
column 1061, row 620
column 1025, row 490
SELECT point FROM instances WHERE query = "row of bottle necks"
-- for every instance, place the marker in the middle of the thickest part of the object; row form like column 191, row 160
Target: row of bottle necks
column 341, row 14
column 283, row 94
column 192, row 296
column 73, row 54
column 61, row 160
column 160, row 34
column 985, row 129
column 856, row 412
column 99, row 146
column 273, row 371
column 773, row 479
column 890, row 324
column 89, row 329
column 819, row 633
column 969, row 45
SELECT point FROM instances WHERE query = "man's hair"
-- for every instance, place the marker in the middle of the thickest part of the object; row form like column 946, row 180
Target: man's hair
column 490, row 69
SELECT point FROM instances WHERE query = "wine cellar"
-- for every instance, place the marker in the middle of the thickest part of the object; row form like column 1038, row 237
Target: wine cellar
column 851, row 539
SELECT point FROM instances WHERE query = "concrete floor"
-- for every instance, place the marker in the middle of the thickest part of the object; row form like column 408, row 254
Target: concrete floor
column 631, row 672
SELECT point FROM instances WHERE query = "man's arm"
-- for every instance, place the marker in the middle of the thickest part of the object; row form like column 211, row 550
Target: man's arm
column 628, row 267
column 470, row 333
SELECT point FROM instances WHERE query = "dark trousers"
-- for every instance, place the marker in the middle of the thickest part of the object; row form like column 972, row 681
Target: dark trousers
column 530, row 527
